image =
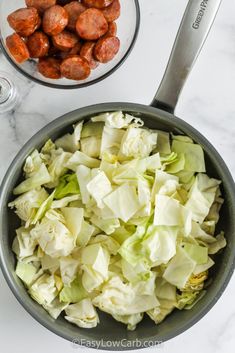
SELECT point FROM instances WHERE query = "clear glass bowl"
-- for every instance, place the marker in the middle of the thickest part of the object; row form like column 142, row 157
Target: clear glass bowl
column 128, row 27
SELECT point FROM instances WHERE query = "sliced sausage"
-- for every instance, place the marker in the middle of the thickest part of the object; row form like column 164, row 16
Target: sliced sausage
column 99, row 4
column 112, row 12
column 64, row 2
column 40, row 5
column 55, row 19
column 106, row 48
column 53, row 51
column 76, row 49
column 38, row 44
column 24, row 21
column 112, row 30
column 65, row 40
column 74, row 9
column 49, row 67
column 87, row 53
column 39, row 23
column 17, row 48
column 91, row 24
column 75, row 68
column 72, row 52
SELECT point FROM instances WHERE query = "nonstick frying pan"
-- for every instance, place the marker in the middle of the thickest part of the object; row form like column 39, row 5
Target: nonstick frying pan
column 110, row 334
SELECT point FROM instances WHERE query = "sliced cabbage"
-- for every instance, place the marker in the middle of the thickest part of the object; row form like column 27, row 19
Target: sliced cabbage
column 117, row 120
column 107, row 242
column 26, row 205
column 99, row 187
column 161, row 180
column 70, row 142
column 165, row 290
column 201, row 196
column 163, row 142
column 23, row 244
column 123, row 209
column 44, row 207
column 203, row 267
column 80, row 158
column 111, row 140
column 26, row 272
column 95, row 260
column 177, row 165
column 74, row 217
column 138, row 143
column 57, row 166
column 55, row 308
column 159, row 313
column 84, row 177
column 169, row 212
column 86, row 231
column 179, row 269
column 68, row 186
column 64, row 201
column 43, row 290
column 74, row 292
column 130, row 249
column 107, row 225
column 32, row 163
column 159, row 244
column 53, row 237
column 193, row 154
column 82, row 314
column 68, row 269
column 134, row 273
column 49, row 263
column 198, row 233
column 35, row 180
column 92, row 128
column 91, row 146
column 119, row 298
column 186, row 300
column 197, row 253
column 130, row 320
column 219, row 244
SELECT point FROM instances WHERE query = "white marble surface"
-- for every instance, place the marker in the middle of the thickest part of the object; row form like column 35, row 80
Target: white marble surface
column 207, row 103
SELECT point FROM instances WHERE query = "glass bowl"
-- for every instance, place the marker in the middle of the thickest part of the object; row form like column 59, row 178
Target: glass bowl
column 128, row 27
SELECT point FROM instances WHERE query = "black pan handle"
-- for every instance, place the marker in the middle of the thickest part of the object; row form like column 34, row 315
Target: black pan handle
column 195, row 26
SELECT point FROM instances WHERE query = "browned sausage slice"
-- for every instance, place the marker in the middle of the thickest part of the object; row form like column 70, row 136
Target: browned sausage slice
column 55, row 19
column 40, row 5
column 87, row 53
column 24, row 21
column 106, row 48
column 65, row 40
column 38, row 45
column 17, row 48
column 112, row 30
column 99, row 4
column 75, row 68
column 49, row 67
column 72, row 52
column 76, row 49
column 74, row 9
column 64, row 2
column 91, row 24
column 112, row 12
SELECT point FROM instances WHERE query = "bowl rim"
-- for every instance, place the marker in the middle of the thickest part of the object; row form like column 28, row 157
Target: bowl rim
column 65, row 121
column 85, row 84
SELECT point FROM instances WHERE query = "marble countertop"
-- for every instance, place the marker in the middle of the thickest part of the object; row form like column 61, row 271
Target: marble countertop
column 207, row 103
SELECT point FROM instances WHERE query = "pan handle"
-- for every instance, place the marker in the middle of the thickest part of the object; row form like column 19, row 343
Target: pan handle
column 195, row 26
